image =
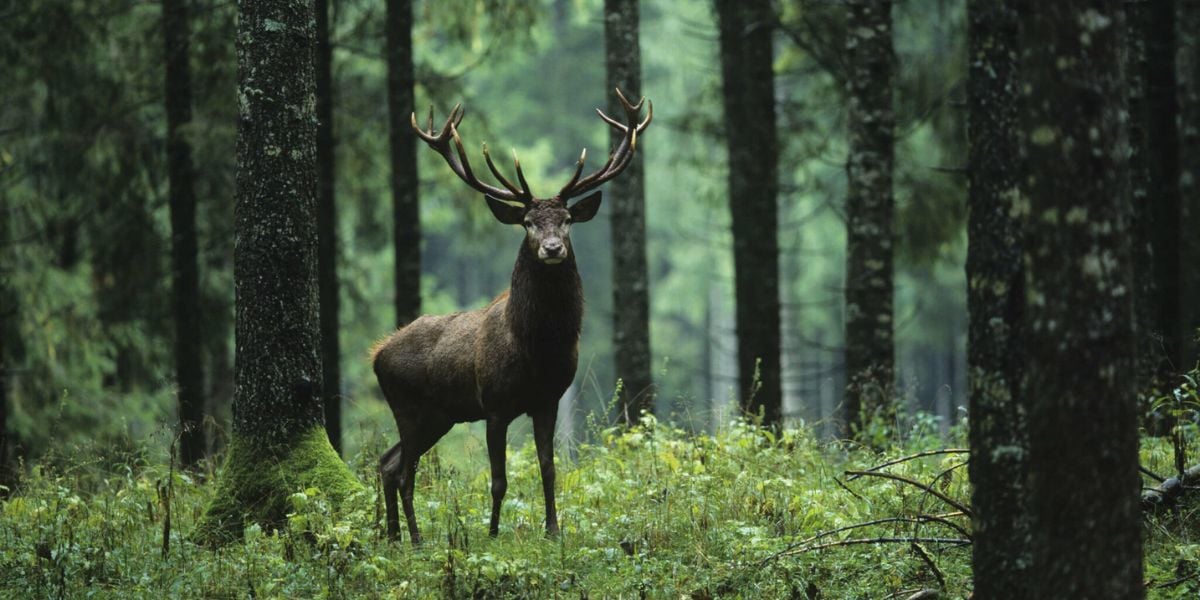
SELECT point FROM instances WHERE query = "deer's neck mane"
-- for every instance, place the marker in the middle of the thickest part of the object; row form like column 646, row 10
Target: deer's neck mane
column 545, row 305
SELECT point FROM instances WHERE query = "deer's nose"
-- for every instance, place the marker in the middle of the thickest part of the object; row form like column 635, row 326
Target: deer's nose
column 553, row 247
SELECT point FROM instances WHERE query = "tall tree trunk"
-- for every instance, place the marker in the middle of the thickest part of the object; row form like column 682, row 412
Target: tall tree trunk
column 8, row 313
column 631, row 298
column 327, row 279
column 870, row 356
column 278, row 443
column 749, row 92
column 185, row 280
column 406, row 215
column 8, row 336
column 1078, row 376
column 1145, row 298
column 5, row 470
column 995, row 301
column 1189, row 182
column 1162, row 159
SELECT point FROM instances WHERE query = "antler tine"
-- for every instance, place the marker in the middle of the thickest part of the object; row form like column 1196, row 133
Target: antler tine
column 462, row 153
column 611, row 121
column 521, row 174
column 630, row 109
column 649, row 115
column 578, row 170
column 448, row 126
column 621, row 156
column 487, row 156
column 456, row 157
column 428, row 137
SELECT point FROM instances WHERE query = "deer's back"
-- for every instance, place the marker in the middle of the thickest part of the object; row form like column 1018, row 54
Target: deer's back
column 429, row 365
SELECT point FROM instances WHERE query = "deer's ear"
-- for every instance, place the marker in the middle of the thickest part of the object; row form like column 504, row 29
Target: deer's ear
column 505, row 213
column 584, row 210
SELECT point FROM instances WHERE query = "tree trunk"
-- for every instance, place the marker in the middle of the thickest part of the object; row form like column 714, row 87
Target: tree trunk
column 1149, row 351
column 5, row 477
column 870, row 356
column 327, row 280
column 631, row 298
column 278, row 443
column 185, row 280
column 749, row 94
column 1162, row 189
column 1189, row 182
column 8, row 310
column 995, row 300
column 406, row 215
column 1078, row 376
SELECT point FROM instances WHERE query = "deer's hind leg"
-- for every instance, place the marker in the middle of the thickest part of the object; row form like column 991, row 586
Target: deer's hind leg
column 389, row 467
column 413, row 443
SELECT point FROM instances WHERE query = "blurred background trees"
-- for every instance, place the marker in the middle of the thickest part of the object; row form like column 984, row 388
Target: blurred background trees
column 89, row 353
column 627, row 206
column 748, row 91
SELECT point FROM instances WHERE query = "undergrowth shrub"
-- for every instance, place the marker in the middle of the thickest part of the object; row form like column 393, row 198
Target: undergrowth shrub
column 650, row 511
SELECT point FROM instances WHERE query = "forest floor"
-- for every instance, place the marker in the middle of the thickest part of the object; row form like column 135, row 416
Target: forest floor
column 652, row 512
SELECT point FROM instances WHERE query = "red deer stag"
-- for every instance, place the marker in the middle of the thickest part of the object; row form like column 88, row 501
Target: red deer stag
column 515, row 356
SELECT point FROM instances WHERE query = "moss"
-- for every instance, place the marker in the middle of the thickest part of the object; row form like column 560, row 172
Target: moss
column 257, row 480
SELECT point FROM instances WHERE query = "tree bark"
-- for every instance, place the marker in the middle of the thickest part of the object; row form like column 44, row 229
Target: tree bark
column 749, row 95
column 1162, row 189
column 327, row 278
column 995, row 301
column 1189, row 181
column 1149, row 351
column 870, row 356
column 631, row 297
column 406, row 214
column 278, row 442
column 185, row 274
column 6, row 315
column 1158, row 215
column 1078, row 376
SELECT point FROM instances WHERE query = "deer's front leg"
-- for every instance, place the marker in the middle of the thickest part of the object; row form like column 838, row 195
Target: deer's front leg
column 497, row 439
column 543, row 436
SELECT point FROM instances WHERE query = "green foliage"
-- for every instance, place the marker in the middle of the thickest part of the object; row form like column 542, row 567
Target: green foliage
column 652, row 510
column 1172, row 562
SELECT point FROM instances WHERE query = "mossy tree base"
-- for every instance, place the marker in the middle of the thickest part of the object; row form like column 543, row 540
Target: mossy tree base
column 257, row 480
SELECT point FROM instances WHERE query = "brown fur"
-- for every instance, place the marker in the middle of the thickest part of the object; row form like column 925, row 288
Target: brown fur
column 515, row 356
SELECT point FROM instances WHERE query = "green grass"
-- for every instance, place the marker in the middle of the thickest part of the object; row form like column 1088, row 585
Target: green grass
column 654, row 512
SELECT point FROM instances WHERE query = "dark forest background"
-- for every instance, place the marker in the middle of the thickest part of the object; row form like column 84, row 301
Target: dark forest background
column 87, row 244
column 891, row 226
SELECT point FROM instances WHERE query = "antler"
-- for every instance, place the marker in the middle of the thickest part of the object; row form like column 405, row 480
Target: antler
column 619, row 159
column 458, row 162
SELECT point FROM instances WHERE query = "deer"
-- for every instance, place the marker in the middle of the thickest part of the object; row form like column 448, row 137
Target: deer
column 517, row 355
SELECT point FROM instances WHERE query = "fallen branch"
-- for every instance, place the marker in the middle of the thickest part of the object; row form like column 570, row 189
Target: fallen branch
column 1152, row 474
column 880, row 540
column 913, row 457
column 919, row 519
column 924, row 554
column 1173, row 582
column 917, row 484
column 1168, row 493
